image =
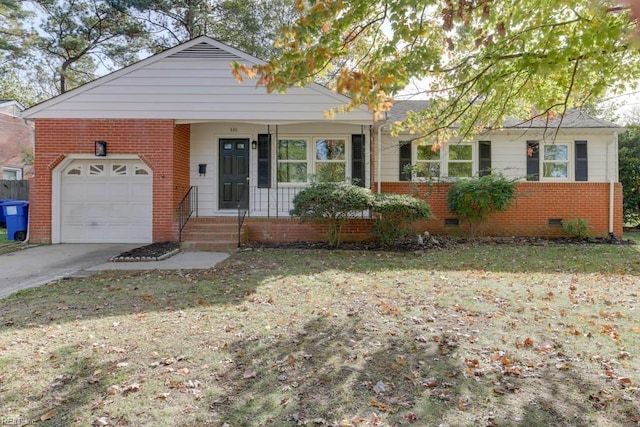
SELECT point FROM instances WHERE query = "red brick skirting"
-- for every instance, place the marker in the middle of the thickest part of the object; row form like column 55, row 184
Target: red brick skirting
column 293, row 230
column 535, row 204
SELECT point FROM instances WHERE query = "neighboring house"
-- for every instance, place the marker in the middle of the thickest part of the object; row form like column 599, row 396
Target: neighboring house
column 116, row 158
column 16, row 142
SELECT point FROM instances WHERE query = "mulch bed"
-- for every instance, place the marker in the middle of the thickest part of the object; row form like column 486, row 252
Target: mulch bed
column 152, row 252
column 437, row 242
column 158, row 251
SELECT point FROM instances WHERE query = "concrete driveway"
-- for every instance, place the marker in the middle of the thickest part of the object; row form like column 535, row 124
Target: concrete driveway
column 43, row 264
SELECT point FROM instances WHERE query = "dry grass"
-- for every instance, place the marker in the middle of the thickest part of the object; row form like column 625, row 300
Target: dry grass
column 8, row 246
column 476, row 335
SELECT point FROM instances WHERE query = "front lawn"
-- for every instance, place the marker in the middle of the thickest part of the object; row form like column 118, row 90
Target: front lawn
column 473, row 335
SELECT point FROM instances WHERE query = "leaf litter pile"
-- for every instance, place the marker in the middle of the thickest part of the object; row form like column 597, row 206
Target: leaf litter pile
column 477, row 336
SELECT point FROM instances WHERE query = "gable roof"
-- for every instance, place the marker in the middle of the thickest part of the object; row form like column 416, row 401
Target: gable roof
column 573, row 119
column 193, row 82
column 11, row 106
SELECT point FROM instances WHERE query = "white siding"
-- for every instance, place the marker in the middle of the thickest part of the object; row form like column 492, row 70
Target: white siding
column 192, row 87
column 508, row 153
column 390, row 165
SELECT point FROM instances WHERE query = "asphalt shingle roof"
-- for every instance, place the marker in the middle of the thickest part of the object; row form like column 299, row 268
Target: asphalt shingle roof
column 572, row 119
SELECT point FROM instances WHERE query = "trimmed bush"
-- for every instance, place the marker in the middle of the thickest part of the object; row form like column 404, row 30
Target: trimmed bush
column 473, row 200
column 397, row 214
column 577, row 227
column 333, row 203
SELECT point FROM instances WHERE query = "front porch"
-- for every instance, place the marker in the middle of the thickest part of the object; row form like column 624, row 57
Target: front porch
column 262, row 216
column 535, row 212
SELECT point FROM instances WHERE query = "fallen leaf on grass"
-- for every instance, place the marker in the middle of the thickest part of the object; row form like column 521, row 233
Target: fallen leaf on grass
column 526, row 343
column 131, row 388
column 48, row 415
column 381, row 406
column 249, row 373
column 624, row 381
column 410, row 417
column 599, row 401
column 101, row 421
column 429, row 382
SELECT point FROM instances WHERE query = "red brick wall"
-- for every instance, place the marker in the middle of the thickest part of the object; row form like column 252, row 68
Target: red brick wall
column 534, row 205
column 15, row 136
column 181, row 150
column 292, row 230
column 153, row 140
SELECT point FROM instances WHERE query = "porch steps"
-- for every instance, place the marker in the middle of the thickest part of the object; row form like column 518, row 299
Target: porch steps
column 211, row 234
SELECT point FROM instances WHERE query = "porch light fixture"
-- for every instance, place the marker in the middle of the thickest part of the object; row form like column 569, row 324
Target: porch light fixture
column 254, row 144
column 101, row 148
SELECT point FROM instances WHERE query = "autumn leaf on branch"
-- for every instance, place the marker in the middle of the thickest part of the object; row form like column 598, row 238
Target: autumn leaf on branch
column 477, row 61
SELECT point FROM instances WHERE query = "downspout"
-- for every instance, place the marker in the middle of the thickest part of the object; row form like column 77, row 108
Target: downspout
column 611, row 206
column 612, row 153
column 379, row 158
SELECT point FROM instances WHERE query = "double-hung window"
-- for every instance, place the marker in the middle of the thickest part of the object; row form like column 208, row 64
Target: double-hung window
column 460, row 160
column 300, row 158
column 454, row 160
column 555, row 161
column 330, row 159
column 293, row 160
column 428, row 160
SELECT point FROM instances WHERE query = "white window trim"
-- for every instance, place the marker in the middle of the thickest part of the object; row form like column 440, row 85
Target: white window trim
column 18, row 172
column 311, row 156
column 416, row 162
column 278, row 161
column 570, row 161
column 444, row 160
column 474, row 159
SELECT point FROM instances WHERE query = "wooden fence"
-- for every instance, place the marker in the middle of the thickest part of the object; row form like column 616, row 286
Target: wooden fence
column 12, row 189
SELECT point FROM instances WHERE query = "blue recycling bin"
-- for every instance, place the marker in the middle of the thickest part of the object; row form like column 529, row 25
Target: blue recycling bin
column 16, row 213
column 3, row 221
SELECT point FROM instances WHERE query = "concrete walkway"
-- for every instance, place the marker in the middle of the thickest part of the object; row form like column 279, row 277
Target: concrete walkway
column 43, row 264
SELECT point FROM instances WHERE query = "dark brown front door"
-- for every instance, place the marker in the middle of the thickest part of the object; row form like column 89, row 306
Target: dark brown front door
column 234, row 173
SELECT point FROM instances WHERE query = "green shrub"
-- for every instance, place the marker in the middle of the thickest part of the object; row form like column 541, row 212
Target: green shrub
column 473, row 200
column 629, row 173
column 577, row 227
column 397, row 214
column 332, row 202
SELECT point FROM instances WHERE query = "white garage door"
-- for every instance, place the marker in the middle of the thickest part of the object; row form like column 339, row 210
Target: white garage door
column 106, row 201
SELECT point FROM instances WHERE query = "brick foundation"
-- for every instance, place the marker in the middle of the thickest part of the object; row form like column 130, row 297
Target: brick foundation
column 293, row 230
column 535, row 204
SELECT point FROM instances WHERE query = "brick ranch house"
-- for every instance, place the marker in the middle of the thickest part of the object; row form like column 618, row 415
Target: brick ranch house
column 128, row 157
